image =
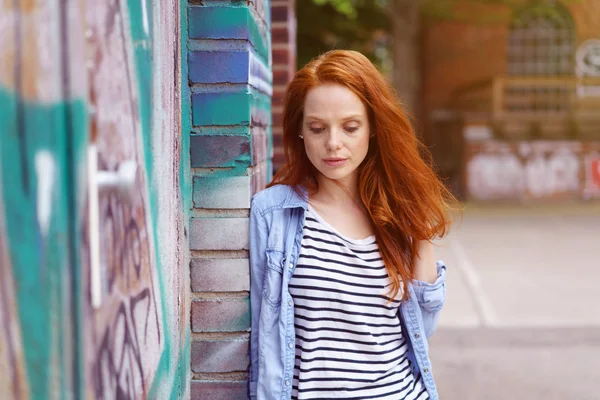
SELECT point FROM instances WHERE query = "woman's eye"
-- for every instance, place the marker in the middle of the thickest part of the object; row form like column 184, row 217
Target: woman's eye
column 351, row 129
column 317, row 130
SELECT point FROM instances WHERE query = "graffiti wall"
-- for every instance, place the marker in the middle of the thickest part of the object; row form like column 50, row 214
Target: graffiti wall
column 534, row 170
column 37, row 337
column 93, row 269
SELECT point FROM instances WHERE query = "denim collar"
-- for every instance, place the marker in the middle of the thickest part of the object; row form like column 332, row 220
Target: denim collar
column 296, row 198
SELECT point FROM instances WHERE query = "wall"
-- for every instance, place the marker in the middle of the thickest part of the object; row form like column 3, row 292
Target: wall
column 533, row 170
column 139, row 333
column 283, row 31
column 473, row 47
column 227, row 115
column 37, row 339
column 76, row 75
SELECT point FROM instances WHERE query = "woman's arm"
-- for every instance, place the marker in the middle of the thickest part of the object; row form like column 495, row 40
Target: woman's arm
column 425, row 270
column 429, row 286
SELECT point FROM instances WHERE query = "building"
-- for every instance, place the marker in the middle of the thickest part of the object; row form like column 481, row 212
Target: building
column 511, row 100
column 132, row 137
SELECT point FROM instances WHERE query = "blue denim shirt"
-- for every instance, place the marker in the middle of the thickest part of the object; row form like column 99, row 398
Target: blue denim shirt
column 276, row 225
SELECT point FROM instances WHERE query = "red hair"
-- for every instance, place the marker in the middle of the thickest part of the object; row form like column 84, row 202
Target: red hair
column 404, row 198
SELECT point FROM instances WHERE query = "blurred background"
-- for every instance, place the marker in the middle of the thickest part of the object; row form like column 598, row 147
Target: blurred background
column 133, row 134
column 506, row 96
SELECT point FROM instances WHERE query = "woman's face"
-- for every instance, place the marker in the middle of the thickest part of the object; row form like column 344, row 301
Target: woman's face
column 336, row 131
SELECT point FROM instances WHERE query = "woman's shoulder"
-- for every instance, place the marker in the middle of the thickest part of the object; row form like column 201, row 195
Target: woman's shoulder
column 270, row 198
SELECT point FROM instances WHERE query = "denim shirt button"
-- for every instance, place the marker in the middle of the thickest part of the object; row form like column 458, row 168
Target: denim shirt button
column 287, row 383
column 417, row 335
column 290, row 303
column 291, row 345
column 426, row 370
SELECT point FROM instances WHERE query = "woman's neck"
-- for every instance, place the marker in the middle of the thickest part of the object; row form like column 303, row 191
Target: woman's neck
column 338, row 192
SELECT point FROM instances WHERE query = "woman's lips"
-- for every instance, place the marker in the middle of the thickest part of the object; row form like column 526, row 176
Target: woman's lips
column 335, row 162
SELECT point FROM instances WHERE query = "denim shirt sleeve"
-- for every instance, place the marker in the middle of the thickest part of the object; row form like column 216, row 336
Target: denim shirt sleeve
column 258, row 243
column 431, row 298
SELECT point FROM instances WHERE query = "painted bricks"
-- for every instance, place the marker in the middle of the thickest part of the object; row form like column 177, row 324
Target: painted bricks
column 220, row 275
column 220, row 151
column 219, row 233
column 221, row 315
column 283, row 31
column 234, row 66
column 223, row 390
column 220, row 356
column 230, row 86
column 226, row 23
column 224, row 192
column 221, row 108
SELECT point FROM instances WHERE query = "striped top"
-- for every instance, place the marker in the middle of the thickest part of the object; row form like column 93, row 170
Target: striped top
column 349, row 341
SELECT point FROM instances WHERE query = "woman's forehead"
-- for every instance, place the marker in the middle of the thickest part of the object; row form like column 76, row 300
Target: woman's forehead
column 327, row 101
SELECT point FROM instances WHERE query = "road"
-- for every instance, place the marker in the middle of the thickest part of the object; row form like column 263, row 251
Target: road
column 522, row 317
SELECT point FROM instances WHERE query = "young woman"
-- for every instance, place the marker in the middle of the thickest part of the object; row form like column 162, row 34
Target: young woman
column 345, row 289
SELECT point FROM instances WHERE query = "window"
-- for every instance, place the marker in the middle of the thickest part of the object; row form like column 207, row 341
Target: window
column 542, row 42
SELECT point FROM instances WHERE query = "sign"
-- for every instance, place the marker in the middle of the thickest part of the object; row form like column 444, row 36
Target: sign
column 587, row 59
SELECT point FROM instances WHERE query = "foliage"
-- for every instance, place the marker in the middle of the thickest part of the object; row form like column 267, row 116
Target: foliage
column 344, row 24
column 344, row 7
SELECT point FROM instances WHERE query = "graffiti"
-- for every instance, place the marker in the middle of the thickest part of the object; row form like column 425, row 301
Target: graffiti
column 14, row 383
column 528, row 170
column 496, row 175
column 129, row 320
column 592, row 173
column 554, row 174
column 71, row 74
column 127, row 327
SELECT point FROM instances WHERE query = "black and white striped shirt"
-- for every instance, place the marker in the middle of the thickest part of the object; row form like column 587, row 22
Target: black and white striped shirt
column 349, row 341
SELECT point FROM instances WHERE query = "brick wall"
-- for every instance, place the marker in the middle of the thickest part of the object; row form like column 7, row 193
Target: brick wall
column 283, row 31
column 455, row 54
column 229, row 111
column 460, row 52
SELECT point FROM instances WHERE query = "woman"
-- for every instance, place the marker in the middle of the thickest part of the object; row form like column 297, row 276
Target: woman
column 344, row 285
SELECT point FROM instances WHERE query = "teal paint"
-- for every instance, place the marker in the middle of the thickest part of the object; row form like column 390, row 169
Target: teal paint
column 142, row 50
column 221, row 108
column 46, row 264
column 39, row 255
column 227, row 23
column 142, row 41
column 181, row 372
column 185, row 178
column 213, row 114
column 221, row 130
column 185, row 175
column 78, row 132
column 229, row 108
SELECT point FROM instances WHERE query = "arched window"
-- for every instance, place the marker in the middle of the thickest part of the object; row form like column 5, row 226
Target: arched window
column 542, row 42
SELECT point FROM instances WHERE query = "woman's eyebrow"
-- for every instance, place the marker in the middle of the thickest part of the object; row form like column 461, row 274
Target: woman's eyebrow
column 346, row 118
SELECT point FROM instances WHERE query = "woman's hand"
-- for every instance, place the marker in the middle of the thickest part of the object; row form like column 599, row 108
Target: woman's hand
column 424, row 264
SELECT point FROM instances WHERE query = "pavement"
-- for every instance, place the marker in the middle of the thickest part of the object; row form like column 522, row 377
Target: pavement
column 522, row 315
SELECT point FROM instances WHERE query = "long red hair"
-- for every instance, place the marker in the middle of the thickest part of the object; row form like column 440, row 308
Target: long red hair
column 403, row 196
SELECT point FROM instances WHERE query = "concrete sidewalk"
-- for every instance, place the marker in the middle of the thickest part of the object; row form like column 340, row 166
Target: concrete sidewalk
column 522, row 318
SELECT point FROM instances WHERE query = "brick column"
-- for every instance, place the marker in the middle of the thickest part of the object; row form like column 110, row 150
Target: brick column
column 283, row 31
column 230, row 85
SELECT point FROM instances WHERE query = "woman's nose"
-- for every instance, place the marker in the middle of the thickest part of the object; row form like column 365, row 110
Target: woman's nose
column 333, row 140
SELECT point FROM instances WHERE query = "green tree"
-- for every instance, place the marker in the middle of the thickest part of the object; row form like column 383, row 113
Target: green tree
column 342, row 24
